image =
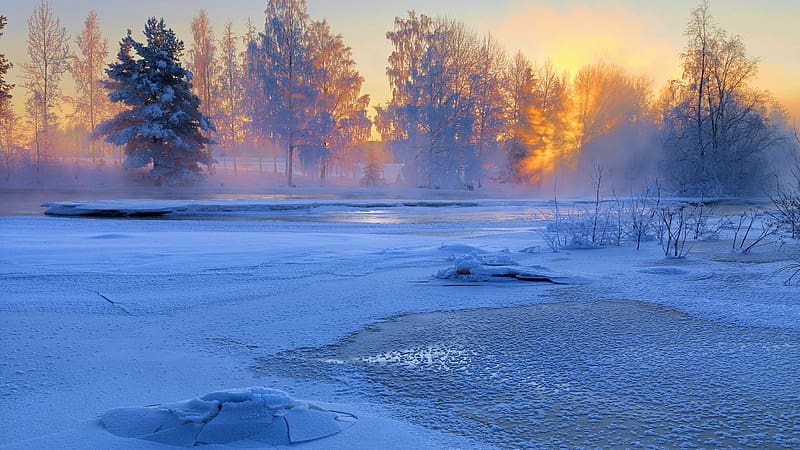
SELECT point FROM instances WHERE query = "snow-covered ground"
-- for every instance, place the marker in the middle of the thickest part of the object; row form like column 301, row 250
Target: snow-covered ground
column 443, row 324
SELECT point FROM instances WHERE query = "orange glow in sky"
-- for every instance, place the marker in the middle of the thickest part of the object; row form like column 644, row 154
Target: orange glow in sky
column 645, row 37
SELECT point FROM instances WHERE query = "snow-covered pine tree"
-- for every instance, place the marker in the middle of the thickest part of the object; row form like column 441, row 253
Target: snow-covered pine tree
column 5, row 88
column 163, row 123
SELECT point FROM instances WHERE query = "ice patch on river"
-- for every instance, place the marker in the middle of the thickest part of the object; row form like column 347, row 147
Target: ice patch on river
column 601, row 374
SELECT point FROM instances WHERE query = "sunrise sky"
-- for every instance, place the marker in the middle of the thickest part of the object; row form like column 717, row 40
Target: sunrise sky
column 647, row 37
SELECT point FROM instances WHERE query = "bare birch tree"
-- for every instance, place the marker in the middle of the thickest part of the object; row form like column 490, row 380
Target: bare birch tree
column 204, row 68
column 717, row 127
column 339, row 116
column 519, row 83
column 282, row 66
column 229, row 82
column 203, row 63
column 49, row 58
column 92, row 105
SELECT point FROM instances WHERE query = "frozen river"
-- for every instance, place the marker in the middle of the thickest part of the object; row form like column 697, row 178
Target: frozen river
column 339, row 300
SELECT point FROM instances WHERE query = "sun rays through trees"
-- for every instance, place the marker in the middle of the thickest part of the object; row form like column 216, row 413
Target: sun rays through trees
column 286, row 94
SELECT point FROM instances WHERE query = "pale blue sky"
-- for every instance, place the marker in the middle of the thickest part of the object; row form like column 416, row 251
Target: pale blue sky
column 644, row 35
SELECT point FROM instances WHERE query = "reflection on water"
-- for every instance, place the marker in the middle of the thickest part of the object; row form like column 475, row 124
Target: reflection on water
column 607, row 374
column 416, row 215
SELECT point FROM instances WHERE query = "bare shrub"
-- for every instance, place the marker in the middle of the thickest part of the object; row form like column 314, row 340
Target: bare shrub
column 674, row 228
column 765, row 227
column 793, row 269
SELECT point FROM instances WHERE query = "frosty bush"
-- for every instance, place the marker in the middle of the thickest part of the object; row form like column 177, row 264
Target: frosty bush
column 787, row 201
column 614, row 221
column 787, row 210
column 641, row 214
column 793, row 269
column 676, row 221
column 605, row 222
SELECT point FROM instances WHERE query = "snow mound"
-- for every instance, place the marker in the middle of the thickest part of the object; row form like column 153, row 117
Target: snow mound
column 254, row 414
column 476, row 267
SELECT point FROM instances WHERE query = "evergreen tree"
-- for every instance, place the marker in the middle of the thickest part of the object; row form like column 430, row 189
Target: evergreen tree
column 5, row 88
column 8, row 120
column 163, row 124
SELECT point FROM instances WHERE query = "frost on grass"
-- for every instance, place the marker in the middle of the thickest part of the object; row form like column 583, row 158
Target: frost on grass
column 253, row 414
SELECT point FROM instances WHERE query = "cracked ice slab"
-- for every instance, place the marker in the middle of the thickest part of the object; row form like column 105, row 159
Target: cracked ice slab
column 254, row 414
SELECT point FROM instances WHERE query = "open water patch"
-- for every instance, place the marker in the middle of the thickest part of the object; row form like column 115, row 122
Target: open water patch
column 577, row 375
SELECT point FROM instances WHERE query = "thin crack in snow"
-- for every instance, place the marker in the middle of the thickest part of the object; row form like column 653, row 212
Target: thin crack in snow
column 115, row 304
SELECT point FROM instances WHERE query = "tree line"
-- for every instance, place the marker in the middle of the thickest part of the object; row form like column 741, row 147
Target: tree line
column 292, row 85
column 462, row 111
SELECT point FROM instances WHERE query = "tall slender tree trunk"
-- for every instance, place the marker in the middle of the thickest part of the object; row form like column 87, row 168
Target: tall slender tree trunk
column 289, row 164
column 260, row 158
column 36, row 140
column 701, row 92
column 274, row 158
column 234, row 151
column 92, row 147
column 45, row 124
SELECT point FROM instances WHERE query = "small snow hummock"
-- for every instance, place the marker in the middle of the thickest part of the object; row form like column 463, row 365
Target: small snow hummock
column 476, row 267
column 254, row 414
